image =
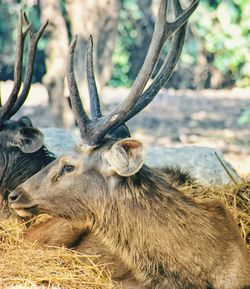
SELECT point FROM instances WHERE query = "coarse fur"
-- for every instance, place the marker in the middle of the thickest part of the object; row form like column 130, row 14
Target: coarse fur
column 16, row 166
column 177, row 176
column 165, row 238
column 60, row 232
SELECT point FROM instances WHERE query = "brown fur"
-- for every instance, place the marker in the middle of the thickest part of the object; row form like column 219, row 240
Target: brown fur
column 60, row 232
column 165, row 238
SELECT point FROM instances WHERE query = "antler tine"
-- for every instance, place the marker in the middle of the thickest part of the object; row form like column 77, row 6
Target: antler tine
column 82, row 119
column 34, row 38
column 163, row 30
column 171, row 27
column 152, row 55
column 165, row 72
column 17, row 70
column 177, row 8
column 95, row 109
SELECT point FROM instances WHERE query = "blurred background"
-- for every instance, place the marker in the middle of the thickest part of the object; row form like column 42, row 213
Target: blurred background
column 206, row 101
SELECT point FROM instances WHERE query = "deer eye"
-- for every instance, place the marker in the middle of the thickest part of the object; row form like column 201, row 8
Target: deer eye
column 67, row 169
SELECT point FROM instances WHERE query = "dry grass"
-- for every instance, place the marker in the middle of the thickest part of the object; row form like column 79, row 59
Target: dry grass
column 23, row 264
column 51, row 267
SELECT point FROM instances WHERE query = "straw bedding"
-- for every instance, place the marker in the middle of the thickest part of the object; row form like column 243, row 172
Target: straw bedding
column 235, row 197
column 24, row 265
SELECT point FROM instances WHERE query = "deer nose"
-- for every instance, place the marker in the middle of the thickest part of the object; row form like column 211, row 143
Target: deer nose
column 14, row 196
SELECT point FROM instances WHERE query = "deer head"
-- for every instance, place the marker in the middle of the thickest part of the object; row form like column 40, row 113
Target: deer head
column 107, row 154
column 21, row 133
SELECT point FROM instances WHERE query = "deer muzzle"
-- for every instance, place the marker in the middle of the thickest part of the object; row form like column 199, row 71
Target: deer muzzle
column 19, row 201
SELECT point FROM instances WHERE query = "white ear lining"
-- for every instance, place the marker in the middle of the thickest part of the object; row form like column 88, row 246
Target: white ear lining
column 126, row 162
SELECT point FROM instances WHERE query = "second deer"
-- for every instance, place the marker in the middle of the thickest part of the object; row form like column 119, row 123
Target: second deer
column 165, row 238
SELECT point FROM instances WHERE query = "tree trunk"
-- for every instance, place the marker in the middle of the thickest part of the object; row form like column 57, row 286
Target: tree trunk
column 98, row 18
column 56, row 52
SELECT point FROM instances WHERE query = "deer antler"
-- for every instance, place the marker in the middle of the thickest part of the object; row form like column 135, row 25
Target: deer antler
column 164, row 74
column 14, row 102
column 93, row 131
column 95, row 109
column 18, row 68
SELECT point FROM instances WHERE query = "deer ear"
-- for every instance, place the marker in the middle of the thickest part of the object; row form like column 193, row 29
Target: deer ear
column 28, row 139
column 126, row 157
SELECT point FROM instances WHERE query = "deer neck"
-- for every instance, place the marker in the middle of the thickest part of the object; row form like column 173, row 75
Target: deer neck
column 135, row 219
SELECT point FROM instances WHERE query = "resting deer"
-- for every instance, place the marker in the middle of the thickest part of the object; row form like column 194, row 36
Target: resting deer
column 22, row 153
column 165, row 238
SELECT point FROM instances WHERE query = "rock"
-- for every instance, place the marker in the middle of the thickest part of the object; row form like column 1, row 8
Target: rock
column 58, row 140
column 200, row 162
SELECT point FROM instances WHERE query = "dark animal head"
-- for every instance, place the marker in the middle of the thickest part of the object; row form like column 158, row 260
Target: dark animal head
column 22, row 153
column 20, row 134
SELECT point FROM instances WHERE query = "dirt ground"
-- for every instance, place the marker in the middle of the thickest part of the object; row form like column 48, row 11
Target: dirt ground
column 175, row 118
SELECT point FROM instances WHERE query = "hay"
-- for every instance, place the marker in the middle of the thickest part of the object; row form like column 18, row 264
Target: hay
column 235, row 197
column 24, row 265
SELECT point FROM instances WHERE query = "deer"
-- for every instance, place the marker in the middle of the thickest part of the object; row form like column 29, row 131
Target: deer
column 22, row 150
column 165, row 238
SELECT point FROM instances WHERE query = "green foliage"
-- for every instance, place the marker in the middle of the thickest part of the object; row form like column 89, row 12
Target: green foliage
column 126, row 39
column 221, row 35
column 8, row 22
column 223, row 31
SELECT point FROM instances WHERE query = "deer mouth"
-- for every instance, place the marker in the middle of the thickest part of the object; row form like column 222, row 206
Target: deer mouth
column 25, row 210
